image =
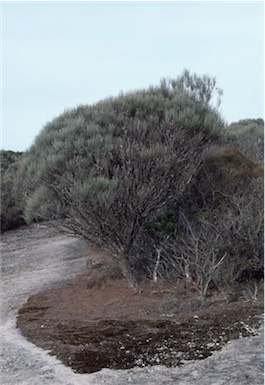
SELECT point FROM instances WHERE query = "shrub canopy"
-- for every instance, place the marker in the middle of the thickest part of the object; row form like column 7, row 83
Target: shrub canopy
column 111, row 166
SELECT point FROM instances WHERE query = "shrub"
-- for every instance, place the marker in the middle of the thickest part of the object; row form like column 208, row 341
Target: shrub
column 217, row 230
column 220, row 174
column 248, row 136
column 11, row 203
column 119, row 163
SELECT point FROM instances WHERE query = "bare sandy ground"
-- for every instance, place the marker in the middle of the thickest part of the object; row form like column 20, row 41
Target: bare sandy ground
column 36, row 258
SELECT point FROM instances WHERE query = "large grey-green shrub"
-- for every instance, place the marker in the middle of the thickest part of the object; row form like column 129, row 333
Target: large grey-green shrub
column 112, row 166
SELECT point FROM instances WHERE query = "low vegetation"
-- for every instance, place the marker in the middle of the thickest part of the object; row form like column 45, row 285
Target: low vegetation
column 11, row 203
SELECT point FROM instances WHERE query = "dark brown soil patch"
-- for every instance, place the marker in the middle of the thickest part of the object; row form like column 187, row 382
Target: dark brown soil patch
column 113, row 327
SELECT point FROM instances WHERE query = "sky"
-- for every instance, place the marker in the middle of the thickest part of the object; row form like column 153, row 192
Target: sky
column 58, row 55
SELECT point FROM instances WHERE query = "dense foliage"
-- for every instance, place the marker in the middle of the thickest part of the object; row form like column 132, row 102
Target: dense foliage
column 7, row 158
column 11, row 203
column 111, row 166
column 155, row 177
column 248, row 136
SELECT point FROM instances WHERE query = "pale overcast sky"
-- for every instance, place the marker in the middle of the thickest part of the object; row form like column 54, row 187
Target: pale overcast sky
column 57, row 55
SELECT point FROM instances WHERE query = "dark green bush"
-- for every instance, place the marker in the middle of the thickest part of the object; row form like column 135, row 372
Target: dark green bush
column 11, row 200
column 7, row 158
column 248, row 136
